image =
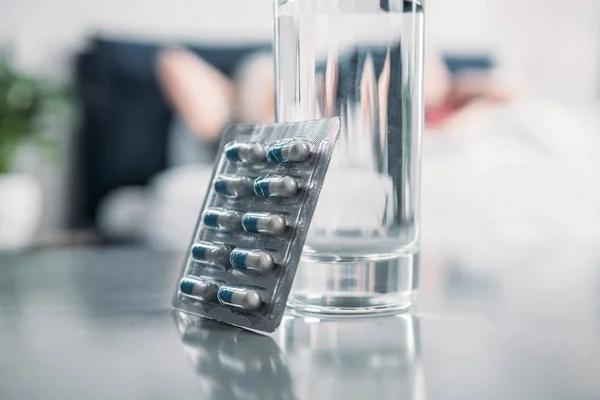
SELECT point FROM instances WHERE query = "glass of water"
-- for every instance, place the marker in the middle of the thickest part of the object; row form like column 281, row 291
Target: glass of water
column 361, row 60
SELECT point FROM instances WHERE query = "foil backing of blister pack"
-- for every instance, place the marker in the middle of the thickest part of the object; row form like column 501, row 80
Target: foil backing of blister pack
column 273, row 286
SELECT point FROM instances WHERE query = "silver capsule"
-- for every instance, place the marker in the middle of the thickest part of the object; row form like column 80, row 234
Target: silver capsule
column 233, row 186
column 263, row 222
column 289, row 150
column 246, row 299
column 251, row 259
column 227, row 220
column 198, row 289
column 245, row 152
column 212, row 253
column 275, row 186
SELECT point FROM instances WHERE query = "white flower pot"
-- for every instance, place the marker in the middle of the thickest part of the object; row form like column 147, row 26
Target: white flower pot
column 20, row 211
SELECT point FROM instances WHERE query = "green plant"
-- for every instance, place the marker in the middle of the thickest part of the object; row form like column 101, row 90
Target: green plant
column 23, row 101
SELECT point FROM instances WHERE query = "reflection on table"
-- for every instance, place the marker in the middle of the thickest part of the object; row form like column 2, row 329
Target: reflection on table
column 330, row 358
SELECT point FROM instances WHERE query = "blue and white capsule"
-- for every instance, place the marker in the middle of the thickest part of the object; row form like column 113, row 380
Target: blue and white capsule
column 198, row 289
column 264, row 222
column 275, row 186
column 212, row 253
column 255, row 260
column 294, row 150
column 233, row 186
column 225, row 220
column 244, row 298
column 247, row 153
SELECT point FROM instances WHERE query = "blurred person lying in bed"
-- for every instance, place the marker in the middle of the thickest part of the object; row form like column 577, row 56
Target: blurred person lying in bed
column 508, row 164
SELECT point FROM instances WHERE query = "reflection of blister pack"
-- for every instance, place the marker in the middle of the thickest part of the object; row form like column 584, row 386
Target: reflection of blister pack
column 254, row 221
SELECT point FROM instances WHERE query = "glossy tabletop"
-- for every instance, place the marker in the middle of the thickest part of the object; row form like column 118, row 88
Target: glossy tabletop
column 97, row 324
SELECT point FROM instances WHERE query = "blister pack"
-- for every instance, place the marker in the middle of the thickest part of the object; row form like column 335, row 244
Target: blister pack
column 249, row 237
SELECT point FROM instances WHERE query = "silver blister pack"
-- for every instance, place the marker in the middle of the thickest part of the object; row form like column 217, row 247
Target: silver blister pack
column 249, row 236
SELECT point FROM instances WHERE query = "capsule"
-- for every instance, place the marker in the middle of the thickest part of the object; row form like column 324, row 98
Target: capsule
column 262, row 222
column 246, row 299
column 275, row 186
column 251, row 259
column 227, row 220
column 245, row 152
column 289, row 150
column 233, row 186
column 211, row 253
column 198, row 288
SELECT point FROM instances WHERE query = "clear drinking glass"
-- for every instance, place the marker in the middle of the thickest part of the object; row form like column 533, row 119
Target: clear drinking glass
column 361, row 60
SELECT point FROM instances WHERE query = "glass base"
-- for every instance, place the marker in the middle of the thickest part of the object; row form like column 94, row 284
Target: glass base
column 356, row 287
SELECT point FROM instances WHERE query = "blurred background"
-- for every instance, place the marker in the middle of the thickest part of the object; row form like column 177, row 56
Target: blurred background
column 97, row 129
